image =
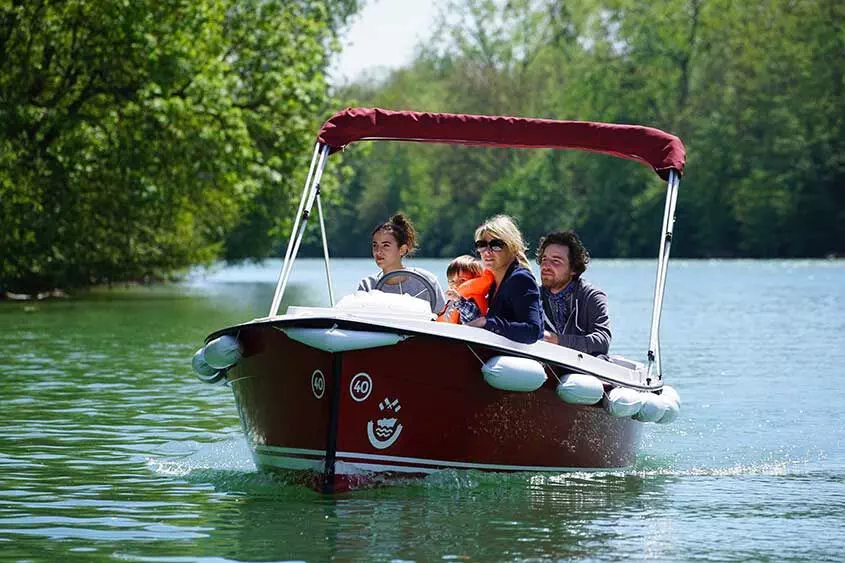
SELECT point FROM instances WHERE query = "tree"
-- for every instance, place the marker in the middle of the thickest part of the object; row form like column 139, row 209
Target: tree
column 755, row 90
column 144, row 137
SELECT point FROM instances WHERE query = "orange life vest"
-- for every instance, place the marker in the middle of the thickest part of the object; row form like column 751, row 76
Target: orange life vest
column 475, row 289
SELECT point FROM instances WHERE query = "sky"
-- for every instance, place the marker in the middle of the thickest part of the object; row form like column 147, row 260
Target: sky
column 383, row 34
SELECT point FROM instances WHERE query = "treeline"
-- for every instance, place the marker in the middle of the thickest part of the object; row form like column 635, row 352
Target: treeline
column 754, row 89
column 139, row 138
column 142, row 138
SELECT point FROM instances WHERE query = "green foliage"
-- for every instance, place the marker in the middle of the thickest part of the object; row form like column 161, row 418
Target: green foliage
column 143, row 137
column 755, row 90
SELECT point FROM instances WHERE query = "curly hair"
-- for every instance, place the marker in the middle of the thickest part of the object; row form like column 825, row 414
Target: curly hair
column 579, row 256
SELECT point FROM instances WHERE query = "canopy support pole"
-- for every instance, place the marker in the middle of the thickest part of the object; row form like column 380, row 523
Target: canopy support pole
column 309, row 194
column 325, row 248
column 654, row 365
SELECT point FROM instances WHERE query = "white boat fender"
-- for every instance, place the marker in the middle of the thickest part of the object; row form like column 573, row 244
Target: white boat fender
column 673, row 404
column 653, row 409
column 223, row 352
column 510, row 373
column 205, row 372
column 342, row 340
column 580, row 389
column 623, row 402
column 672, row 412
column 670, row 394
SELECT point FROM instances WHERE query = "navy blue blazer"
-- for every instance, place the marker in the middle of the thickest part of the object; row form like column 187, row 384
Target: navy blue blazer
column 515, row 311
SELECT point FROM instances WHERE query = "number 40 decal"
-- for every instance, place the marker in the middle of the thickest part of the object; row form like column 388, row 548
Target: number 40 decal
column 318, row 384
column 360, row 387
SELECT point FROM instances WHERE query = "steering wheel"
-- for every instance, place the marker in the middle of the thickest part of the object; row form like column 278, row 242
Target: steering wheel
column 429, row 293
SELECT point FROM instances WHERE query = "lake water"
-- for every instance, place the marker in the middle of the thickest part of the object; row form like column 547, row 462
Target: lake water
column 111, row 449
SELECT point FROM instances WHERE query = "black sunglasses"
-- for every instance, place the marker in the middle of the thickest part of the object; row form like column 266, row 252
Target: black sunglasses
column 496, row 245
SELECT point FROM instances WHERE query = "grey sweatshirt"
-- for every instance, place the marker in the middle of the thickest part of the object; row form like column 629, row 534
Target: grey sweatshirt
column 587, row 327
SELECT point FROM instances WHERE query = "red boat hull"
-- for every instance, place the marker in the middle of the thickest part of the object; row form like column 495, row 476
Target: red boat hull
column 343, row 420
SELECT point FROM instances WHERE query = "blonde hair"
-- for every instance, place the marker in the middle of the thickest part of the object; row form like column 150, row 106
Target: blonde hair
column 504, row 227
column 464, row 264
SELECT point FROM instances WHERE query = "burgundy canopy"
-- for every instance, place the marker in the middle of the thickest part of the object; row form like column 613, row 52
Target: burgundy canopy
column 661, row 151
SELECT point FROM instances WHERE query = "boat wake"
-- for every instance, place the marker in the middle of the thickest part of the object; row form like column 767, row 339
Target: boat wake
column 227, row 466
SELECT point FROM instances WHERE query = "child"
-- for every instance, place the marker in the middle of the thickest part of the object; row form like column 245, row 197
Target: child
column 467, row 293
column 461, row 269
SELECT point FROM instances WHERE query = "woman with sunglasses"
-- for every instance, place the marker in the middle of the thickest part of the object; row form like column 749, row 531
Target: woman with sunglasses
column 514, row 309
column 392, row 241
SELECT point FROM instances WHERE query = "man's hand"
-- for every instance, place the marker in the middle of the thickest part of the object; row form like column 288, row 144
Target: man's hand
column 550, row 337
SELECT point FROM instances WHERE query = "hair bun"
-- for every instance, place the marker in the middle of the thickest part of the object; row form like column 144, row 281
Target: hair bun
column 402, row 230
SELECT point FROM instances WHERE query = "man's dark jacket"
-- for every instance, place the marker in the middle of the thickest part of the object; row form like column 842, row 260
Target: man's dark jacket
column 587, row 326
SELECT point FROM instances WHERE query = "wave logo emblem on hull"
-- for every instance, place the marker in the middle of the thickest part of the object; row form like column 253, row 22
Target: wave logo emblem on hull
column 385, row 431
column 318, row 384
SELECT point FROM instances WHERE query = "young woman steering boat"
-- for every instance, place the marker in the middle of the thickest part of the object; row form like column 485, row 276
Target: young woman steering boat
column 392, row 241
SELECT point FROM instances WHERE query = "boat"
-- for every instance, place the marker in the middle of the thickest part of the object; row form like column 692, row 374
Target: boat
column 370, row 390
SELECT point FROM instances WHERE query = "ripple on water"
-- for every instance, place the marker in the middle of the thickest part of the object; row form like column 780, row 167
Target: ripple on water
column 109, row 444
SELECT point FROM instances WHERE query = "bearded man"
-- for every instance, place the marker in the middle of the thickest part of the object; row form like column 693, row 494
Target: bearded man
column 575, row 310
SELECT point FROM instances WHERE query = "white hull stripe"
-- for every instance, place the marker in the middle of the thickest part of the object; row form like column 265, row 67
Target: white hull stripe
column 410, row 464
column 347, row 468
column 341, row 467
column 276, row 449
column 296, row 463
